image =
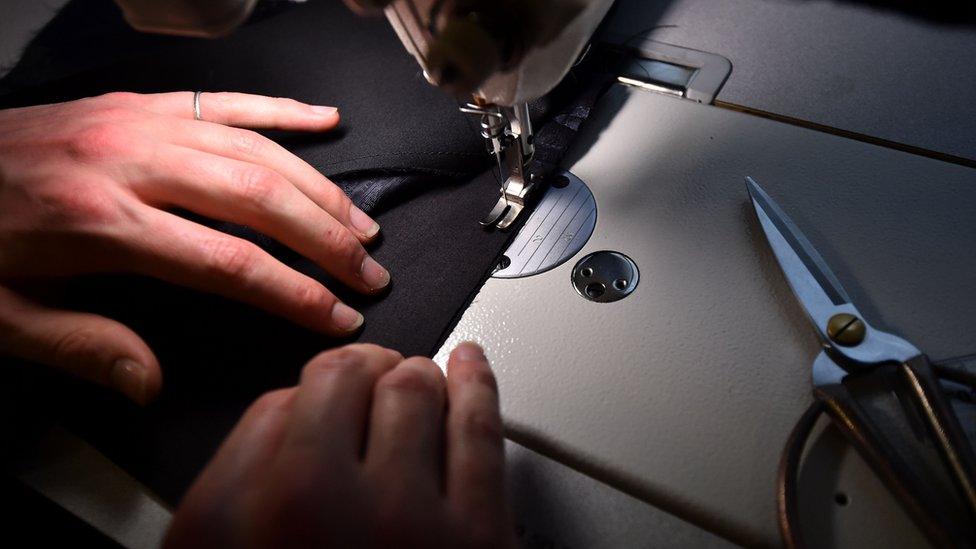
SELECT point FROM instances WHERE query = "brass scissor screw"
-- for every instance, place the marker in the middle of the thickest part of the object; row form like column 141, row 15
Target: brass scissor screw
column 846, row 329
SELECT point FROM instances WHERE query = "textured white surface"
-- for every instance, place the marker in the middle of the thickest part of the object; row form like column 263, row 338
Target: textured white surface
column 558, row 507
column 684, row 392
column 843, row 64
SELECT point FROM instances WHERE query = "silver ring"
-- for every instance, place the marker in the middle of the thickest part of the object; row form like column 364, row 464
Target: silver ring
column 196, row 106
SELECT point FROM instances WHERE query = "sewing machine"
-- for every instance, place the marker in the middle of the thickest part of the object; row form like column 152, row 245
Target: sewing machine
column 502, row 55
column 676, row 398
column 671, row 396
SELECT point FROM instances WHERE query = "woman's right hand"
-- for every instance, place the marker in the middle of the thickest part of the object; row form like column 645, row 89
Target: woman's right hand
column 85, row 187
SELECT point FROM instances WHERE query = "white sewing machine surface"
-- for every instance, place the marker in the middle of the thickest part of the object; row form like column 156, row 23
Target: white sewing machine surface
column 684, row 392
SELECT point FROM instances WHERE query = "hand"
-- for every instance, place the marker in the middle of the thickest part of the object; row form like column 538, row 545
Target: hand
column 84, row 188
column 370, row 450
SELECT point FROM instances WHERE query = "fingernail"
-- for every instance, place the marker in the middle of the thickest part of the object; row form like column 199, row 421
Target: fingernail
column 345, row 317
column 129, row 378
column 322, row 110
column 470, row 352
column 373, row 274
column 363, row 222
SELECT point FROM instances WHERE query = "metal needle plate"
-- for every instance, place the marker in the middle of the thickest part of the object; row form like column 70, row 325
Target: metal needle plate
column 557, row 229
column 605, row 277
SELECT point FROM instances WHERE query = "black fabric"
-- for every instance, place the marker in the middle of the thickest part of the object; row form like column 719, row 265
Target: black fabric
column 218, row 356
column 404, row 154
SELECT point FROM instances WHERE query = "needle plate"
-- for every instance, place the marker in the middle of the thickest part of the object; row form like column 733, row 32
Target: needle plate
column 558, row 227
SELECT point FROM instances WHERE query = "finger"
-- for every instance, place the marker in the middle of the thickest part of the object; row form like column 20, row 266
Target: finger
column 475, row 450
column 405, row 428
column 255, row 196
column 244, row 110
column 331, row 408
column 86, row 345
column 215, row 498
column 185, row 253
column 253, row 147
column 367, row 7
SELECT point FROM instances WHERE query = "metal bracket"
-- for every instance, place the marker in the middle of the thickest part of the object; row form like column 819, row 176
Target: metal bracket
column 665, row 68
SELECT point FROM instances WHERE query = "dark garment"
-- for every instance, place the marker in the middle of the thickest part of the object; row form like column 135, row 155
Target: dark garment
column 404, row 153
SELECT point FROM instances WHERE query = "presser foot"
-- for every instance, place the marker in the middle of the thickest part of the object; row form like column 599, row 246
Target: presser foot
column 508, row 133
column 510, row 204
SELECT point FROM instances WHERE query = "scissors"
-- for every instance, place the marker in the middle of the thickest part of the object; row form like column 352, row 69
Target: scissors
column 852, row 348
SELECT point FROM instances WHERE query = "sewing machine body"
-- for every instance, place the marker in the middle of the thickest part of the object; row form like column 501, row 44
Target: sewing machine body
column 532, row 76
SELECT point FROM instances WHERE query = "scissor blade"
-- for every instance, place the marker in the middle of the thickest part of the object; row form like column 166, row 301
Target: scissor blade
column 812, row 281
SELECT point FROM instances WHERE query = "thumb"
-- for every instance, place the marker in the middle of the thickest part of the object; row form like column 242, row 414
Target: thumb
column 83, row 344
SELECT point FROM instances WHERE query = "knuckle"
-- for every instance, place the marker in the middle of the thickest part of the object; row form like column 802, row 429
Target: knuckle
column 481, row 425
column 77, row 346
column 287, row 103
column 413, row 376
column 311, row 297
column 273, row 401
column 120, row 98
column 248, row 142
column 229, row 258
column 114, row 113
column 335, row 196
column 77, row 206
column 476, row 374
column 100, row 141
column 344, row 247
column 369, row 348
column 258, row 186
column 345, row 361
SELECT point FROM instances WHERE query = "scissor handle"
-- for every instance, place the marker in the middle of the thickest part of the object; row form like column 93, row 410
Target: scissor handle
column 943, row 426
column 924, row 506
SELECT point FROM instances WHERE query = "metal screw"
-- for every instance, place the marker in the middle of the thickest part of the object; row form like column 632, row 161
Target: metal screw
column 560, row 181
column 595, row 290
column 846, row 329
